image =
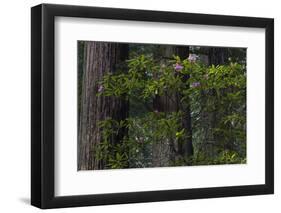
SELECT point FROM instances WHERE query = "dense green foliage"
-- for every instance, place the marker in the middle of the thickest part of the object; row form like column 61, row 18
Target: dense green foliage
column 215, row 94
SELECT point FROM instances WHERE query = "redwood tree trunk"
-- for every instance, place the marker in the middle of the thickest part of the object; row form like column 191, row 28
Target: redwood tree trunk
column 164, row 152
column 185, row 147
column 217, row 56
column 100, row 58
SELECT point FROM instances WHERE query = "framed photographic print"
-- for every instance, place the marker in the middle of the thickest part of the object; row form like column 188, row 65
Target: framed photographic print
column 139, row 106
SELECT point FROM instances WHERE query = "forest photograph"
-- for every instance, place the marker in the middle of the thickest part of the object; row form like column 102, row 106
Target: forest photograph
column 159, row 105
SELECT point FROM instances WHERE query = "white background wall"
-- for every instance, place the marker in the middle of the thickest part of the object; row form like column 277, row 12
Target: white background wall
column 15, row 105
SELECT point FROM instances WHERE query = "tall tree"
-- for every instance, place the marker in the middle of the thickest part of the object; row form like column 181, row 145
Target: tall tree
column 99, row 58
column 162, row 151
column 167, row 151
column 216, row 56
column 185, row 147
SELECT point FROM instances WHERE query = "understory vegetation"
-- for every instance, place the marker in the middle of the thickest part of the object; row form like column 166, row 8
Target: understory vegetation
column 162, row 106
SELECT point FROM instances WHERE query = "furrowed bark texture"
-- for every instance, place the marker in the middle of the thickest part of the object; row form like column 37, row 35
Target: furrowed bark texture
column 216, row 56
column 162, row 152
column 167, row 150
column 185, row 147
column 100, row 58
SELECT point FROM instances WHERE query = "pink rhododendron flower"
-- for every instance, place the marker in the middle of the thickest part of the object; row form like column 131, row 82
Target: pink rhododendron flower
column 100, row 88
column 178, row 67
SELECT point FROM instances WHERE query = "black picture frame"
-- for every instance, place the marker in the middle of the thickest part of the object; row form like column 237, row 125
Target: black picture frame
column 43, row 102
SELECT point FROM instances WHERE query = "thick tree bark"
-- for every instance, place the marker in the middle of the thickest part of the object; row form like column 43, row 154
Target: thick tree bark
column 186, row 147
column 217, row 56
column 100, row 58
column 164, row 152
column 81, row 67
column 161, row 152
